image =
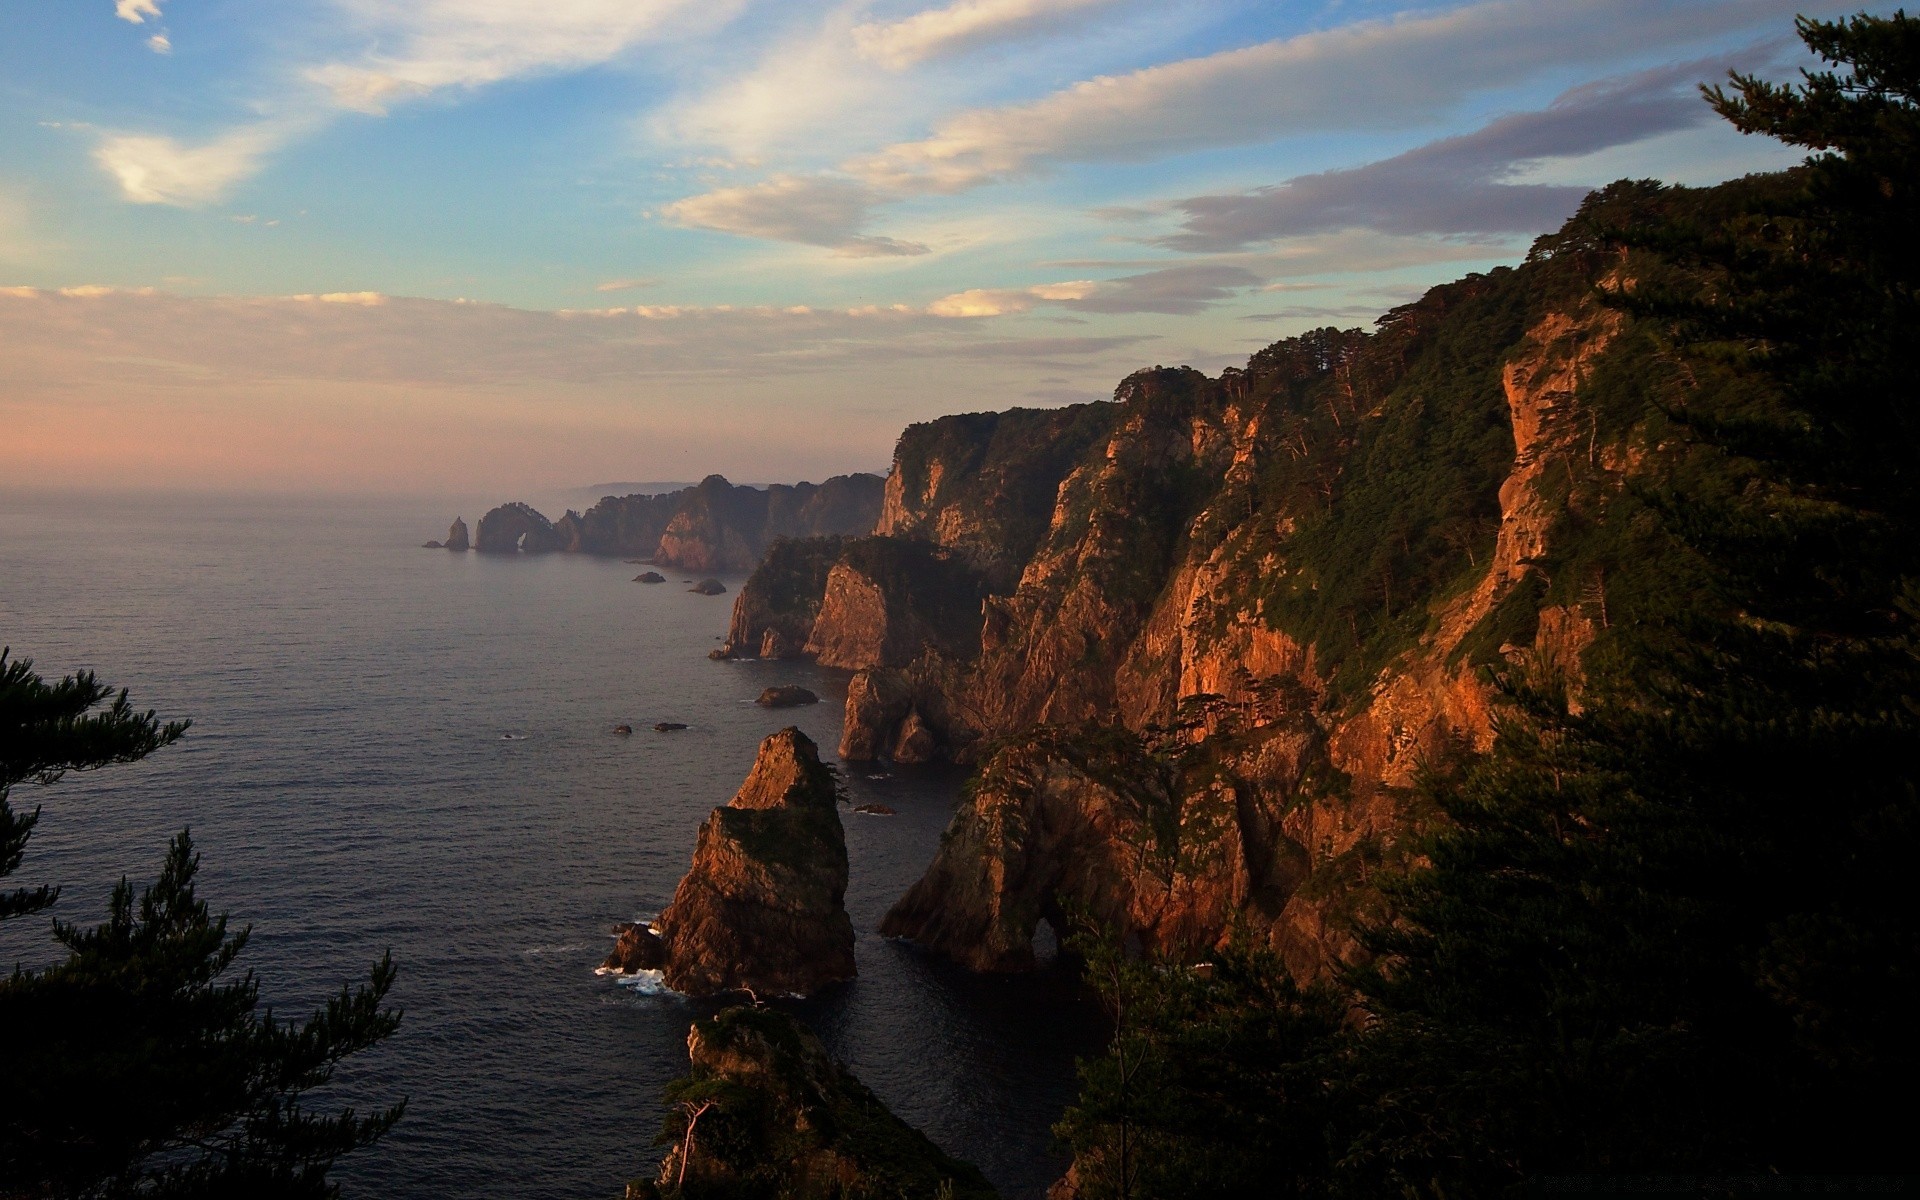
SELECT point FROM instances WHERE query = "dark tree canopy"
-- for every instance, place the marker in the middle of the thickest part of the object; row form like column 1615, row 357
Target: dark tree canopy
column 142, row 1064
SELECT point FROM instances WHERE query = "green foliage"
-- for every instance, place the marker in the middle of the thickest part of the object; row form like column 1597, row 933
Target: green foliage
column 139, row 1066
column 1664, row 928
column 48, row 729
column 1397, row 504
column 1003, row 471
column 943, row 590
column 780, row 1121
column 1215, row 1082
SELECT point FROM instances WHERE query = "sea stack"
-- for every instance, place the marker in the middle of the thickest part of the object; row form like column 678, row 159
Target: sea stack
column 456, row 535
column 763, row 907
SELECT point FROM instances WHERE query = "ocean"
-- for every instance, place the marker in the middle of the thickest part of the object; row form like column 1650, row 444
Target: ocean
column 408, row 749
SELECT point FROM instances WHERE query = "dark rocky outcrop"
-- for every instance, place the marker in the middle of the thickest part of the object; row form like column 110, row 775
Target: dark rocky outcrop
column 709, row 587
column 890, row 601
column 649, row 577
column 456, row 535
column 775, row 609
column 668, row 726
column 764, row 1111
column 762, row 907
column 636, row 948
column 787, row 695
column 515, row 527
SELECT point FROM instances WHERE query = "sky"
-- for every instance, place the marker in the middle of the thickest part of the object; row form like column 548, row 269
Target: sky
column 407, row 246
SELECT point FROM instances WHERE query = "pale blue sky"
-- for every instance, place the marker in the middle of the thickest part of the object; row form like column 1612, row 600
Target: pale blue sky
column 328, row 243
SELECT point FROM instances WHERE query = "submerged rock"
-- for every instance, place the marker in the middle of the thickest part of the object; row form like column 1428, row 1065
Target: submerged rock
column 649, row 577
column 431, row 546
column 709, row 587
column 875, row 810
column 765, row 1111
column 788, row 695
column 669, row 726
column 623, row 728
column 763, row 908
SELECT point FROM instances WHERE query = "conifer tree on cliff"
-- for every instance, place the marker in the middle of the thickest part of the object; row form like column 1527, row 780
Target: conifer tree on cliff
column 139, row 1066
column 1667, row 927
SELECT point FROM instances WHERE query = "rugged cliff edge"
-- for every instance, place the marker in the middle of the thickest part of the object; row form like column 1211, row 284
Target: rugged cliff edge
column 762, row 907
column 1243, row 612
column 712, row 526
column 765, row 1112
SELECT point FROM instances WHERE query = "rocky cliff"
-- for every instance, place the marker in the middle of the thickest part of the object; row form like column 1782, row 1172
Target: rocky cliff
column 457, row 535
column 762, row 907
column 712, row 526
column 764, row 1112
column 1201, row 684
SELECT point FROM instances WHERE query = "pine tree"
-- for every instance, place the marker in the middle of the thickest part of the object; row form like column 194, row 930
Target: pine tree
column 140, row 1066
column 1665, row 928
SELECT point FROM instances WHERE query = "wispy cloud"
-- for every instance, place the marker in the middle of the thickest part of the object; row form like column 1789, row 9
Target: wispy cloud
column 1460, row 184
column 426, row 45
column 152, row 169
column 1401, row 72
column 370, row 336
column 1176, row 291
column 813, row 211
column 1378, row 74
column 964, row 25
column 136, row 11
column 624, row 285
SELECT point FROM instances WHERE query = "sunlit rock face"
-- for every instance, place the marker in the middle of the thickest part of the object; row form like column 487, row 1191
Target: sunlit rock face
column 1200, row 641
column 762, row 908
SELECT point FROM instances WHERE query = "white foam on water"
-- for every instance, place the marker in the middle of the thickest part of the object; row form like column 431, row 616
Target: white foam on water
column 543, row 951
column 646, row 983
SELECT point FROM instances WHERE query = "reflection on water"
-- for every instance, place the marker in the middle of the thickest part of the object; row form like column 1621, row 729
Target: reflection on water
column 406, row 748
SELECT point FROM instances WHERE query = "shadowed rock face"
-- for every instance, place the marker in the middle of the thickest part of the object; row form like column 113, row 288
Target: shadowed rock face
column 456, row 535
column 765, row 1112
column 763, row 905
column 775, row 609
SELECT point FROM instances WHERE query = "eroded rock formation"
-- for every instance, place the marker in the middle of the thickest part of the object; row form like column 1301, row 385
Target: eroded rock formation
column 457, row 535
column 762, row 907
column 515, row 527
column 765, row 1111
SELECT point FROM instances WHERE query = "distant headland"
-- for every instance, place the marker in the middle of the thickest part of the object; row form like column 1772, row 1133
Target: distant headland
column 713, row 525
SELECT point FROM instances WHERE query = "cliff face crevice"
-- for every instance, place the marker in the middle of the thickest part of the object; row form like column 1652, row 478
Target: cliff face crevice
column 762, row 908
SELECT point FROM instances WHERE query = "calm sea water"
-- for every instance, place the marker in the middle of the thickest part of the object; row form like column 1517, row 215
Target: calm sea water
column 408, row 749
